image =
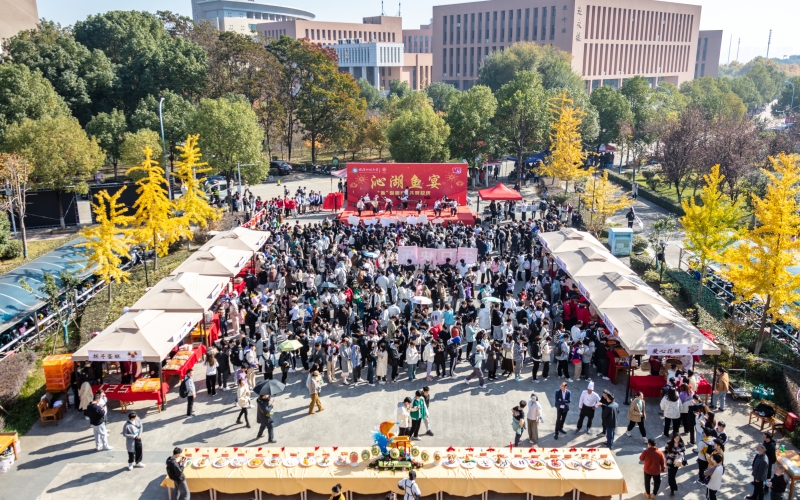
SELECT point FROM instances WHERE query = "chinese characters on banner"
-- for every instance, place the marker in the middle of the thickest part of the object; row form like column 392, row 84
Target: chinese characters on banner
column 105, row 356
column 675, row 349
column 425, row 181
column 436, row 256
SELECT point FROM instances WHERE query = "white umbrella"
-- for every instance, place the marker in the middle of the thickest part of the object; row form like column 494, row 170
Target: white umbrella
column 491, row 299
column 421, row 299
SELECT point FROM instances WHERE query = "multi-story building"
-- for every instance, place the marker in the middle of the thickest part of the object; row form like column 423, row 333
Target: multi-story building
column 373, row 49
column 242, row 16
column 709, row 45
column 17, row 15
column 609, row 40
column 418, row 41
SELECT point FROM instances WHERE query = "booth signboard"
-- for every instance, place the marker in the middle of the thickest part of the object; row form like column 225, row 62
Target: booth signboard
column 609, row 325
column 675, row 349
column 561, row 264
column 180, row 334
column 106, row 356
column 216, row 291
column 543, row 242
column 584, row 291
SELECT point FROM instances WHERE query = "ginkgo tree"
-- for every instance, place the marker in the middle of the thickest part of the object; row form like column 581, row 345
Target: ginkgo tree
column 565, row 141
column 155, row 222
column 193, row 204
column 759, row 266
column 604, row 199
column 110, row 239
column 710, row 227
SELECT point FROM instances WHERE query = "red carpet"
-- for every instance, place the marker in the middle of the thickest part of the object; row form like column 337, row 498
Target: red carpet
column 464, row 214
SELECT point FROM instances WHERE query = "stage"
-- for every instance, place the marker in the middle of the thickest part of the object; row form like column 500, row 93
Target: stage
column 464, row 215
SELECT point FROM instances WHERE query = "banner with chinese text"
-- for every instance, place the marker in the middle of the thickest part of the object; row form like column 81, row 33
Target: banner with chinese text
column 425, row 181
column 675, row 349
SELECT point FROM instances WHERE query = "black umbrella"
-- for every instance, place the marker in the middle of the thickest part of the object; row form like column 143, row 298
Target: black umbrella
column 328, row 284
column 271, row 387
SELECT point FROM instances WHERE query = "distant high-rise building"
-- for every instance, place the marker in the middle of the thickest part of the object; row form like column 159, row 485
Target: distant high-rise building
column 15, row 16
column 242, row 16
column 709, row 45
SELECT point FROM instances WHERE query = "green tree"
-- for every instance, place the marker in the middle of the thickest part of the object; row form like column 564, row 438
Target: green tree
column 230, row 134
column 470, row 116
column 440, row 93
column 419, row 136
column 131, row 151
column 83, row 78
column 714, row 96
column 59, row 152
column 399, row 88
column 147, row 59
column 26, row 94
column 551, row 63
column 177, row 113
column 109, row 131
column 785, row 98
column 370, row 94
column 638, row 93
column 746, row 90
column 523, row 116
column 767, row 76
column 375, row 133
column 612, row 109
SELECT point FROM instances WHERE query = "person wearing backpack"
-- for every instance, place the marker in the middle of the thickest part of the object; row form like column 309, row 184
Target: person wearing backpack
column 476, row 360
column 409, row 486
column 187, row 390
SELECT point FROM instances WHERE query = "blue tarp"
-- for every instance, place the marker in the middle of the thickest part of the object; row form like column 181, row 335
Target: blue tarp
column 17, row 304
column 534, row 158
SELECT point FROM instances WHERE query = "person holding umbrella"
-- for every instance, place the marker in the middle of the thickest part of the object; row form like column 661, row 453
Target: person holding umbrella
column 266, row 410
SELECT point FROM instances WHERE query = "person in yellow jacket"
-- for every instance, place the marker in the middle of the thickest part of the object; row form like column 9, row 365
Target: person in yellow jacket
column 721, row 388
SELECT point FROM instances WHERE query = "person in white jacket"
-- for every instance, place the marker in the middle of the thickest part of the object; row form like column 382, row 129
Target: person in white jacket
column 412, row 358
column 716, row 469
column 427, row 357
column 404, row 417
column 484, row 317
column 671, row 406
column 535, row 416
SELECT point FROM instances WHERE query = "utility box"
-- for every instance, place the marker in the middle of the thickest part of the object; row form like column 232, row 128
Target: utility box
column 620, row 240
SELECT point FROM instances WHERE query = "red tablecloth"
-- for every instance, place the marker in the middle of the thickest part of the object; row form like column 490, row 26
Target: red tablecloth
column 333, row 201
column 124, row 393
column 197, row 354
column 612, row 366
column 650, row 385
column 239, row 287
column 213, row 329
column 703, row 387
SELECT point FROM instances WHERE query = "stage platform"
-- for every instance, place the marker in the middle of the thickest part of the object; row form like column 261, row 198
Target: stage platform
column 464, row 215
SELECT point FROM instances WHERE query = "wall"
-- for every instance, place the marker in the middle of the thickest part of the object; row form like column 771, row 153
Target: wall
column 709, row 46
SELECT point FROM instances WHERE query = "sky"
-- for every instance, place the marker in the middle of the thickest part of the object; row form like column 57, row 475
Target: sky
column 749, row 21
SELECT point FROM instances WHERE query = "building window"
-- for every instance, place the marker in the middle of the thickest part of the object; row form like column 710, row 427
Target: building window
column 458, row 62
column 458, row 29
column 544, row 23
column 451, row 29
column 480, row 26
column 519, row 23
column 427, row 45
column 306, row 33
column 494, row 26
column 472, row 29
column 451, row 62
column 472, row 61
column 552, row 23
column 535, row 23
column 527, row 22
column 502, row 26
column 702, row 70
column 705, row 47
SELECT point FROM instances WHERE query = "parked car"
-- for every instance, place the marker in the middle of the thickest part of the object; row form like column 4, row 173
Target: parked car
column 279, row 168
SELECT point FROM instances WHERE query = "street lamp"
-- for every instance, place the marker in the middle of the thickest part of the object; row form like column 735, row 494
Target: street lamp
column 239, row 171
column 164, row 146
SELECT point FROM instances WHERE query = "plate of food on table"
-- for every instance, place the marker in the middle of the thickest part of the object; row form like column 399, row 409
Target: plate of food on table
column 290, row 461
column 589, row 464
column 537, row 464
column 501, row 462
column 220, row 462
column 469, row 462
column 342, row 461
column 572, row 464
column 606, row 464
column 274, row 462
column 325, row 461
column 555, row 463
column 238, row 462
column 201, row 462
column 451, row 461
column 485, row 463
column 308, row 461
column 519, row 463
column 255, row 462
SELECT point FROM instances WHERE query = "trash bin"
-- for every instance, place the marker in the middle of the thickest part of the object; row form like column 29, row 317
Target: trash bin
column 791, row 421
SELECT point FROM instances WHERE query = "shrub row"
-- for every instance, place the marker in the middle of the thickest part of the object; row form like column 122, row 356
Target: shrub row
column 13, row 372
column 708, row 300
column 656, row 199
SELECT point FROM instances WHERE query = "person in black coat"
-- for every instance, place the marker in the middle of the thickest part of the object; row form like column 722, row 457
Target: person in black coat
column 563, row 399
column 760, row 466
column 264, row 415
column 769, row 444
column 224, row 369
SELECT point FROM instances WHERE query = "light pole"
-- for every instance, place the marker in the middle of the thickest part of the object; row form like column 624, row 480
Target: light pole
column 239, row 171
column 164, row 146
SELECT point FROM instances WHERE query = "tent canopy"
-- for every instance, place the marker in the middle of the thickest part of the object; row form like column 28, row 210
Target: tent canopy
column 590, row 262
column 639, row 326
column 341, row 174
column 154, row 332
column 188, row 292
column 499, row 192
column 216, row 261
column 613, row 290
column 569, row 240
column 239, row 239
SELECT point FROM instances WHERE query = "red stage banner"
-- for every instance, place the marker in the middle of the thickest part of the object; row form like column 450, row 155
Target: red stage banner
column 425, row 181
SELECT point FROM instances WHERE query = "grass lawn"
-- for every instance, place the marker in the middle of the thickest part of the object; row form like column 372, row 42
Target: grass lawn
column 35, row 250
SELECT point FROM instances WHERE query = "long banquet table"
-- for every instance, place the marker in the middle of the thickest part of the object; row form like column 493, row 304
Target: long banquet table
column 432, row 479
column 124, row 394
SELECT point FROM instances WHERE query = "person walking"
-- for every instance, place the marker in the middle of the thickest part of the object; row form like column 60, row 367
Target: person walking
column 265, row 409
column 671, row 406
column 409, row 486
column 654, row 465
column 243, row 402
column 547, row 350
column 132, row 430
column 562, row 353
column 418, row 413
column 476, row 360
column 518, row 421
column 721, row 388
column 426, row 394
column 314, row 386
column 587, row 404
column 190, row 392
column 412, row 358
column 534, row 416
column 223, row 367
column 636, row 415
column 760, row 467
column 536, row 356
column 96, row 412
column 610, row 411
column 211, row 365
column 563, row 399
column 175, row 466
column 675, row 454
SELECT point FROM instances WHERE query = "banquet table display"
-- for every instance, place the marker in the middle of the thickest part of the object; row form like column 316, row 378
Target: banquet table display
column 183, row 361
column 125, row 394
column 649, row 385
column 459, row 472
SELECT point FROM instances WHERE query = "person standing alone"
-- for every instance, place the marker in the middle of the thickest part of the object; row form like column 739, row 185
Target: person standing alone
column 563, row 399
column 97, row 418
column 132, row 430
column 175, row 465
column 189, row 392
column 654, row 465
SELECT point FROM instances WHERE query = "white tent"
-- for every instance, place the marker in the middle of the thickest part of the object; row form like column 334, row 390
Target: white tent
column 216, row 261
column 189, row 292
column 613, row 290
column 590, row 262
column 239, row 239
column 639, row 326
column 569, row 240
column 139, row 336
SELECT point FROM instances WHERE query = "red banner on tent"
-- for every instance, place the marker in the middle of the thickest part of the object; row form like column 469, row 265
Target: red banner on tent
column 425, row 181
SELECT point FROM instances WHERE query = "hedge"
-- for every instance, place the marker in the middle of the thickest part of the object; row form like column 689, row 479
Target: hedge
column 661, row 201
column 13, row 372
column 708, row 300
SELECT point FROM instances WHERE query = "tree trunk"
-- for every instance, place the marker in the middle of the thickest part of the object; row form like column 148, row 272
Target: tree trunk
column 60, row 209
column 116, row 174
column 702, row 277
column 761, row 333
column 21, row 218
column 155, row 253
column 109, row 291
column 313, row 149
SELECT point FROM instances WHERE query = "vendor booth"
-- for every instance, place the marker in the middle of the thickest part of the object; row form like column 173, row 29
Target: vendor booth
column 589, row 262
column 499, row 192
column 216, row 261
column 239, row 239
column 186, row 292
column 569, row 240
